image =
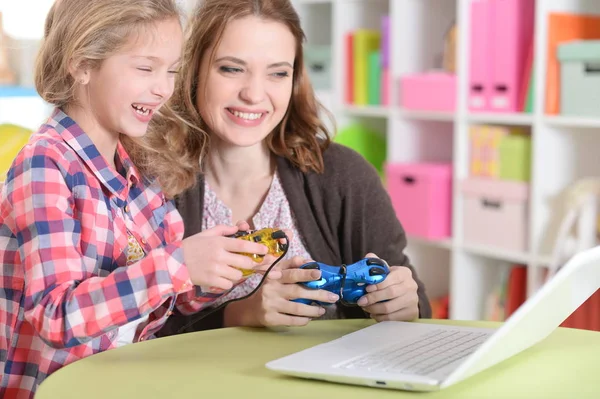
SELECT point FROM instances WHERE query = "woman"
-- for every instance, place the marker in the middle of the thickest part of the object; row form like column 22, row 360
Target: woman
column 269, row 161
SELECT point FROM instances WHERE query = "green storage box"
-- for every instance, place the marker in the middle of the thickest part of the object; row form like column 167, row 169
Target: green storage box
column 317, row 60
column 370, row 144
column 515, row 157
column 580, row 78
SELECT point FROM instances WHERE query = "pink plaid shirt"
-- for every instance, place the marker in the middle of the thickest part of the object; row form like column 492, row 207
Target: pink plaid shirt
column 65, row 286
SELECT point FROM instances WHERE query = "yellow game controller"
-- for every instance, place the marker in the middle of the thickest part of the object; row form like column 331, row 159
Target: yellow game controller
column 269, row 237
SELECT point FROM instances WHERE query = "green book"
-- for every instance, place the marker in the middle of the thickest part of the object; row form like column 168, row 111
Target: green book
column 530, row 90
column 374, row 78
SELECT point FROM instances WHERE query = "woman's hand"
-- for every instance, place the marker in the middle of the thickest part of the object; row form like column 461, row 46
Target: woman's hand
column 213, row 259
column 271, row 305
column 399, row 289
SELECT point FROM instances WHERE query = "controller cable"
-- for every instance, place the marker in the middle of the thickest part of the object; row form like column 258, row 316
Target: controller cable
column 344, row 272
column 202, row 315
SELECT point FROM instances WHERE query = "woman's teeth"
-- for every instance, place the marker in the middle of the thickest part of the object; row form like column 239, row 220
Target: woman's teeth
column 141, row 110
column 246, row 115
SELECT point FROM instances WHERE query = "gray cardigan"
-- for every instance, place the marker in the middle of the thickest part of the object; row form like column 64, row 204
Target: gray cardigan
column 342, row 214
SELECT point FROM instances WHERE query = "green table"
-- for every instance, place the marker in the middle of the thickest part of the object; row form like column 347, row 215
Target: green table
column 229, row 363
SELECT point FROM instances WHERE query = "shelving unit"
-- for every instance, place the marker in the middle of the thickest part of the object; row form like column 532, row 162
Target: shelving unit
column 564, row 149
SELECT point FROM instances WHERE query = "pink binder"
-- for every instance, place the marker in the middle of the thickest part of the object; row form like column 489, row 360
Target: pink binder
column 480, row 61
column 385, row 87
column 385, row 60
column 385, row 41
column 512, row 29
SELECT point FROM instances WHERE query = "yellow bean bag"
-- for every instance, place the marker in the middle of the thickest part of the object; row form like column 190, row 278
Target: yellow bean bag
column 12, row 139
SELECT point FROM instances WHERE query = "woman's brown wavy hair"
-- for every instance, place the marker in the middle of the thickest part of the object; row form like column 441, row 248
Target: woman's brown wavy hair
column 300, row 137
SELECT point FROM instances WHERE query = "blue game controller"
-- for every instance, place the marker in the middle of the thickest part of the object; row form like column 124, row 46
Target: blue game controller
column 349, row 282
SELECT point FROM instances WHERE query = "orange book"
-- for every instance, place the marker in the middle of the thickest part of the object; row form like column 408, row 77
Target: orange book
column 349, row 68
column 439, row 307
column 594, row 317
column 568, row 323
column 516, row 291
column 564, row 27
column 587, row 316
column 580, row 317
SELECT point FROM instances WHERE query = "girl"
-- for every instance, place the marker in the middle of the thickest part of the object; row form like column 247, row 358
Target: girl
column 270, row 163
column 91, row 249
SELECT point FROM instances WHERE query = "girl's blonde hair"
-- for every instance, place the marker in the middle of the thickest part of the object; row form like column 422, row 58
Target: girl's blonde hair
column 301, row 137
column 83, row 33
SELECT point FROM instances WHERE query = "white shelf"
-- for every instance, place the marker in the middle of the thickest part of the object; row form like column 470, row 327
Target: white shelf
column 386, row 112
column 504, row 119
column 368, row 111
column 564, row 149
column 569, row 121
column 499, row 254
column 427, row 115
column 488, row 252
column 542, row 260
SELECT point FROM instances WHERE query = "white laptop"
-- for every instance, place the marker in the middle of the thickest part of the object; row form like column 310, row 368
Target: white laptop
column 428, row 357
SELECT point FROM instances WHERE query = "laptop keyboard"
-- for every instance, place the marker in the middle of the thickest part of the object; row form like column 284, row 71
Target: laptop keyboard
column 424, row 355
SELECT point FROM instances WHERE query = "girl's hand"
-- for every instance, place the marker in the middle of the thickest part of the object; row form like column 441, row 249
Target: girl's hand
column 212, row 258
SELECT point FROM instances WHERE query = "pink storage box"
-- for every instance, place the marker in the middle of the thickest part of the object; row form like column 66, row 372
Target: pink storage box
column 495, row 213
column 432, row 91
column 421, row 194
